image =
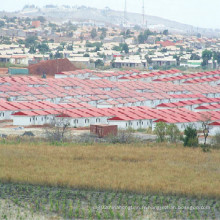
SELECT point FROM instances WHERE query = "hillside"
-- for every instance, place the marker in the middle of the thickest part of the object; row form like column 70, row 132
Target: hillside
column 107, row 17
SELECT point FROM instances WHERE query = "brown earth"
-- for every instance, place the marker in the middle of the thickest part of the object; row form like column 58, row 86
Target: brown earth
column 51, row 67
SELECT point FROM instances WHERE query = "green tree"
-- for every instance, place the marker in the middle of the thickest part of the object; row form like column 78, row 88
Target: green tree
column 191, row 138
column 173, row 132
column 99, row 63
column 69, row 47
column 32, row 49
column 58, row 55
column 31, row 41
column 41, row 19
column 124, row 47
column 149, row 60
column 216, row 56
column 195, row 57
column 93, row 33
column 165, row 32
column 2, row 23
column 206, row 56
column 43, row 48
column 160, row 131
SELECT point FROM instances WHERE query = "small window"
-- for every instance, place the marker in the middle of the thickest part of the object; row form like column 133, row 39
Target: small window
column 142, row 123
column 30, row 119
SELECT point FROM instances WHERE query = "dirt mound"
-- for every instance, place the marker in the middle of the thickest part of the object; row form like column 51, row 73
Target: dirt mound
column 51, row 67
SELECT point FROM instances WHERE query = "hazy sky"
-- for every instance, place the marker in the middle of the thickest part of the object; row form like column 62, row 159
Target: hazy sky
column 202, row 13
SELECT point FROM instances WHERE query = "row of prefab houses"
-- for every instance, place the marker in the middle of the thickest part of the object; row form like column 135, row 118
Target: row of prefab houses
column 124, row 118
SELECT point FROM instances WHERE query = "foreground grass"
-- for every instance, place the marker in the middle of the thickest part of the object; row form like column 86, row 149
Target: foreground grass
column 158, row 169
column 23, row 201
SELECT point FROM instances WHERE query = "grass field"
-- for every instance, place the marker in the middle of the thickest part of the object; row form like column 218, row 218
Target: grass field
column 125, row 168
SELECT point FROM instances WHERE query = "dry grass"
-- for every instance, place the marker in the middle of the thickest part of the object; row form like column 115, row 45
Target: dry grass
column 114, row 167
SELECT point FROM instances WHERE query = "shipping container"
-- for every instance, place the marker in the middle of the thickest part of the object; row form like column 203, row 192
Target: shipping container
column 104, row 130
column 93, row 129
column 18, row 71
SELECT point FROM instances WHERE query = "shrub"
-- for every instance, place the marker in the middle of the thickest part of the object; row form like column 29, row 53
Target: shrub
column 160, row 131
column 216, row 141
column 123, row 137
column 191, row 138
column 173, row 132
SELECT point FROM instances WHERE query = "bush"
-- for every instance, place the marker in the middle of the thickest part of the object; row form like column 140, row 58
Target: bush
column 206, row 147
column 173, row 132
column 123, row 137
column 191, row 138
column 160, row 131
column 216, row 141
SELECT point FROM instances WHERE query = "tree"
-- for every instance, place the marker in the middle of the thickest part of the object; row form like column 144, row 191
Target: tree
column 81, row 37
column 206, row 120
column 43, row 48
column 216, row 56
column 191, row 138
column 2, row 23
column 160, row 131
column 41, row 19
column 149, row 60
column 124, row 47
column 86, row 55
column 173, row 132
column 195, row 57
column 57, row 129
column 32, row 50
column 93, row 33
column 30, row 41
column 69, row 47
column 206, row 56
column 99, row 63
column 165, row 32
column 58, row 55
column 177, row 57
column 103, row 34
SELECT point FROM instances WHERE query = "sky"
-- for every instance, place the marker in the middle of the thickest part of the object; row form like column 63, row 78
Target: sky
column 200, row 13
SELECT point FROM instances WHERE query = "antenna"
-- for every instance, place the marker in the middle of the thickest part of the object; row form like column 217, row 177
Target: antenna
column 125, row 13
column 143, row 14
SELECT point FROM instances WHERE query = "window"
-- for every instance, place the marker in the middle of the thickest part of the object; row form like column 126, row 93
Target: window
column 30, row 119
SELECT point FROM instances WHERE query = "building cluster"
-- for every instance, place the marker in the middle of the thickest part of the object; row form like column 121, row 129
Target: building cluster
column 83, row 99
column 92, row 46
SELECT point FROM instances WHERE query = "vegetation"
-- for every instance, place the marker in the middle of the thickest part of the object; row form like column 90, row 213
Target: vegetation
column 93, row 33
column 19, row 201
column 191, row 138
column 143, row 36
column 158, row 169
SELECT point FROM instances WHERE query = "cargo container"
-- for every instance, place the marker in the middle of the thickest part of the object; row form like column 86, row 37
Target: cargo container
column 104, row 130
column 18, row 71
column 93, row 129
